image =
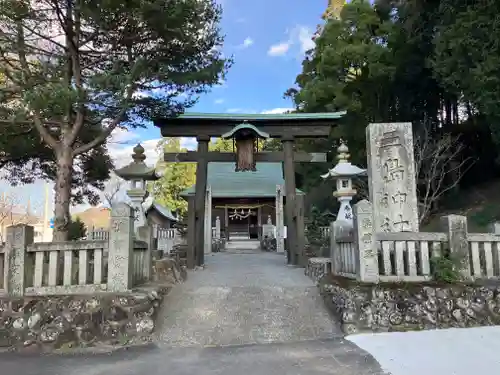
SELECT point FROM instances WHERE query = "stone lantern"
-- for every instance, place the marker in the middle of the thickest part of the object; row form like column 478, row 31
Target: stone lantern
column 138, row 173
column 343, row 173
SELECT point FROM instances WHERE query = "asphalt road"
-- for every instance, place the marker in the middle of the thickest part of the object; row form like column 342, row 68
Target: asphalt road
column 319, row 357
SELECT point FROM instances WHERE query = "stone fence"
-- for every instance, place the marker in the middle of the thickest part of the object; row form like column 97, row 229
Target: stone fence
column 369, row 256
column 325, row 231
column 165, row 238
column 358, row 252
column 77, row 267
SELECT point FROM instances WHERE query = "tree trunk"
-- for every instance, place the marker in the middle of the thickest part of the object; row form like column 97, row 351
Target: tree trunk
column 62, row 194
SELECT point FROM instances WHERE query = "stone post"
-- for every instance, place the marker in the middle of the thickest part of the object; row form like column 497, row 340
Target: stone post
column 208, row 220
column 121, row 247
column 455, row 227
column 391, row 177
column 494, row 228
column 18, row 238
column 146, row 234
column 280, row 242
column 366, row 251
column 334, row 253
column 136, row 199
column 217, row 227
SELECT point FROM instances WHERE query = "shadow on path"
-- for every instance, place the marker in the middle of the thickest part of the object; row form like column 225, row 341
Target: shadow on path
column 319, row 357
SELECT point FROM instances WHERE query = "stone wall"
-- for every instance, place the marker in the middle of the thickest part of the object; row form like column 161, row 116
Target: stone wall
column 47, row 323
column 317, row 268
column 404, row 307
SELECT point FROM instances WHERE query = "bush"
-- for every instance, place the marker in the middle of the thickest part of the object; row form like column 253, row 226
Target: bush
column 76, row 230
column 446, row 267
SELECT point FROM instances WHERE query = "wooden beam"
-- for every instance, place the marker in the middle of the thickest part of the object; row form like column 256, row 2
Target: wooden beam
column 191, row 243
column 290, row 190
column 260, row 157
column 275, row 131
column 200, row 193
column 299, row 125
column 300, row 227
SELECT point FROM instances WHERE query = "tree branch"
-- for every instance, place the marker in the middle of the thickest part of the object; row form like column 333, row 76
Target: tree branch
column 25, row 70
column 435, row 161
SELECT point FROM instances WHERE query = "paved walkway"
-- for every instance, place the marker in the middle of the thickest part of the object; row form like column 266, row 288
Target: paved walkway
column 453, row 351
column 243, row 314
column 245, row 299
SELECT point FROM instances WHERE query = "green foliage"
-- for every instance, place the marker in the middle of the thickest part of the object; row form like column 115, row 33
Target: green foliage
column 445, row 268
column 75, row 71
column 176, row 178
column 467, row 53
column 222, row 145
column 317, row 242
column 228, row 145
column 434, row 63
column 485, row 216
column 76, row 230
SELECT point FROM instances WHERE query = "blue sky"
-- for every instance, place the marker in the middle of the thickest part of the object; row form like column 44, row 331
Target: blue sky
column 267, row 39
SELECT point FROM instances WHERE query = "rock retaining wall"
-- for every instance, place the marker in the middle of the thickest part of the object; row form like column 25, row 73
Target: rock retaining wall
column 379, row 307
column 317, row 268
column 46, row 323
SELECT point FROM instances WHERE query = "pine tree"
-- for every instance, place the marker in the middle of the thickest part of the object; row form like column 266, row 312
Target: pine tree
column 76, row 70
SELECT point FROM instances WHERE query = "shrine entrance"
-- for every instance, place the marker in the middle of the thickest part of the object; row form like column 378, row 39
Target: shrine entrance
column 242, row 223
column 245, row 131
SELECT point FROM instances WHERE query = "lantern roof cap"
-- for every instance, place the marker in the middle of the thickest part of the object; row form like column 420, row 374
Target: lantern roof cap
column 344, row 168
column 138, row 169
column 245, row 126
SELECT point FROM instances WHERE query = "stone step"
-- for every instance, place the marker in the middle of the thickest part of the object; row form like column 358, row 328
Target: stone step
column 243, row 244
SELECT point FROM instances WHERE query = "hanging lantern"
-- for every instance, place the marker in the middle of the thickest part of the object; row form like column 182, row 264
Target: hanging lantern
column 246, row 137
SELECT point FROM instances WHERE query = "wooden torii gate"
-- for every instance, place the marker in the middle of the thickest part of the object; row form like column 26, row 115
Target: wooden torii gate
column 246, row 130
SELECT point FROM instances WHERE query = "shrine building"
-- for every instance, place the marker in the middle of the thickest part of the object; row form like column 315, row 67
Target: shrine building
column 243, row 201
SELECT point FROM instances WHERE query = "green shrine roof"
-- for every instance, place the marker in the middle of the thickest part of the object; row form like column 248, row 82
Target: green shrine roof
column 226, row 183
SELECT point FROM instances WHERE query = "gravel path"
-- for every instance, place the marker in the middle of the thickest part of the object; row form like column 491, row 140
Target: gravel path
column 245, row 299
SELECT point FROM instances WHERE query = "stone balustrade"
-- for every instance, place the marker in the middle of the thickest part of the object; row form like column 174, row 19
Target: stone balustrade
column 371, row 256
column 77, row 267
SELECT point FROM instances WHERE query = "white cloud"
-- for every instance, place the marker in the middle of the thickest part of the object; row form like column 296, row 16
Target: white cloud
column 299, row 35
column 218, row 101
column 122, row 136
column 279, row 49
column 276, row 111
column 246, row 43
column 189, row 143
column 240, row 110
column 221, row 84
column 305, row 36
column 122, row 155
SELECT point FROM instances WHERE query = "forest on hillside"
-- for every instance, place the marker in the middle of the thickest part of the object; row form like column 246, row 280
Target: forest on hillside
column 433, row 63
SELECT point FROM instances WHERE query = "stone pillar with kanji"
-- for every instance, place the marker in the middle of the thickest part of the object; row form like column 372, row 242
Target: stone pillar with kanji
column 391, row 177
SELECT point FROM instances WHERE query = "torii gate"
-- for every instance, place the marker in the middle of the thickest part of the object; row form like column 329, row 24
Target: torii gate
column 245, row 130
